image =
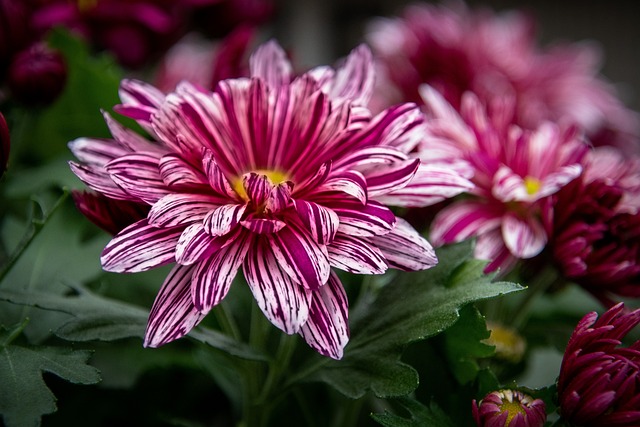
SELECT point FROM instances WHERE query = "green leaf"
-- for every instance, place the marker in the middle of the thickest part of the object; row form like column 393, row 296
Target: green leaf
column 420, row 416
column 416, row 306
column 463, row 344
column 24, row 396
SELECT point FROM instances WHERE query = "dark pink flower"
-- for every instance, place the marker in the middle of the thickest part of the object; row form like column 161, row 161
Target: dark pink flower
column 596, row 226
column 455, row 49
column 277, row 175
column 5, row 144
column 599, row 382
column 37, row 75
column 509, row 408
column 515, row 172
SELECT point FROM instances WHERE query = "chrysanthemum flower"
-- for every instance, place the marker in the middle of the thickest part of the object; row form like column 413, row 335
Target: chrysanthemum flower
column 599, row 382
column 455, row 49
column 509, row 408
column 515, row 172
column 276, row 175
column 597, row 226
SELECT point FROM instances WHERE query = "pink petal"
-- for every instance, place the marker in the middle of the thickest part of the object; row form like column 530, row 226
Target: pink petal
column 280, row 197
column 269, row 62
column 99, row 180
column 173, row 314
column 558, row 179
column 321, row 222
column 283, row 302
column 525, row 237
column 462, row 220
column 139, row 175
column 509, row 186
column 139, row 101
column 300, row 256
column 181, row 209
column 98, row 152
column 356, row 255
column 179, row 174
column 195, row 244
column 352, row 183
column 222, row 219
column 365, row 158
column 130, row 140
column 140, row 247
column 261, row 225
column 369, row 220
column 213, row 276
column 258, row 187
column 490, row 246
column 354, row 81
column 327, row 328
column 405, row 249
column 384, row 179
column 216, row 178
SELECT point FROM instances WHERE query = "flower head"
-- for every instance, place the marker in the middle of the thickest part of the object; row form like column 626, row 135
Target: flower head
column 509, row 408
column 599, row 382
column 275, row 175
column 515, row 172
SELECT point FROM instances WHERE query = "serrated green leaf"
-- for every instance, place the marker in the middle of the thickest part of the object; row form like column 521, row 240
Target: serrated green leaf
column 421, row 416
column 463, row 344
column 24, row 396
column 413, row 308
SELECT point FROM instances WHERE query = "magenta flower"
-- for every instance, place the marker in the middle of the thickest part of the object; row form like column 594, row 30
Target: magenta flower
column 509, row 408
column 515, row 172
column 597, row 226
column 599, row 382
column 278, row 176
column 5, row 144
column 455, row 49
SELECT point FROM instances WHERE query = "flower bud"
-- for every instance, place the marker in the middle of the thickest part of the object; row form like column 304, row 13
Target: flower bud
column 509, row 408
column 37, row 75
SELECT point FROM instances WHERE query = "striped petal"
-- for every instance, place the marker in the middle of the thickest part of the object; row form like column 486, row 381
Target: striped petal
column 140, row 247
column 216, row 178
column 222, row 219
column 525, row 237
column 173, row 314
column 181, row 209
column 100, row 181
column 405, row 249
column 382, row 180
column 431, row 184
column 176, row 172
column 140, row 101
column 95, row 151
column 371, row 219
column 463, row 220
column 284, row 302
column 352, row 183
column 354, row 81
column 213, row 276
column 321, row 222
column 257, row 186
column 195, row 244
column 261, row 225
column 364, row 158
column 269, row 62
column 356, row 255
column 280, row 197
column 300, row 256
column 139, row 175
column 130, row 140
column 327, row 328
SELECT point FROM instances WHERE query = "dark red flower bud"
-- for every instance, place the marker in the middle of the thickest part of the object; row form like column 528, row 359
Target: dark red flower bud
column 509, row 408
column 109, row 214
column 37, row 75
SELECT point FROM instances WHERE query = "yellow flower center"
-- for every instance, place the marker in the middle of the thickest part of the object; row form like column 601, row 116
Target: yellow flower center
column 512, row 409
column 532, row 185
column 510, row 346
column 276, row 177
column 84, row 5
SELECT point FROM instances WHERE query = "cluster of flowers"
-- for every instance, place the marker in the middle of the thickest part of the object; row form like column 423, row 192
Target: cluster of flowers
column 288, row 176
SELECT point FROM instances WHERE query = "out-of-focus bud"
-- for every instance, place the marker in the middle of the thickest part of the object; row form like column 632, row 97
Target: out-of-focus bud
column 109, row 214
column 4, row 144
column 13, row 30
column 509, row 344
column 37, row 75
column 509, row 408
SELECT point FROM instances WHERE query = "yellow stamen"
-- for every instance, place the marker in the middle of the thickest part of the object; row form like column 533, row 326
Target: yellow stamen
column 512, row 408
column 276, row 177
column 532, row 185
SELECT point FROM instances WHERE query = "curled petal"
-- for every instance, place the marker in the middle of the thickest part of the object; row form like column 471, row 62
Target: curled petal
column 181, row 209
column 140, row 101
column 384, row 179
column 327, row 328
column 370, row 220
column 216, row 178
column 352, row 183
column 280, row 197
column 321, row 222
column 405, row 249
column 173, row 314
column 176, row 172
column 462, row 220
column 222, row 219
column 130, row 140
column 356, row 255
column 525, row 237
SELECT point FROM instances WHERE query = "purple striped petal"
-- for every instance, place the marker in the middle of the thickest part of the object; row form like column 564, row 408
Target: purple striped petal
column 173, row 314
column 99, row 180
column 405, row 249
column 139, row 101
column 269, row 62
column 140, row 247
column 262, row 225
column 464, row 219
column 354, row 81
column 257, row 186
column 371, row 156
column 321, row 222
column 283, row 302
column 356, row 255
column 176, row 172
column 130, row 140
column 139, row 175
column 222, row 219
column 430, row 185
column 213, row 276
column 314, row 181
column 327, row 328
column 280, row 197
column 525, row 237
column 195, row 244
column 383, row 179
column 216, row 178
column 94, row 151
column 371, row 219
column 300, row 256
column 349, row 182
column 181, row 209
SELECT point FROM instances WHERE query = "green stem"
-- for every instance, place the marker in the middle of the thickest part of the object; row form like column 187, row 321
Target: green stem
column 538, row 286
column 226, row 321
column 14, row 334
column 278, row 366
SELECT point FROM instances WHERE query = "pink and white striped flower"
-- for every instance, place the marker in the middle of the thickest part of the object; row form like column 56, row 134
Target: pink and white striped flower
column 281, row 177
column 516, row 171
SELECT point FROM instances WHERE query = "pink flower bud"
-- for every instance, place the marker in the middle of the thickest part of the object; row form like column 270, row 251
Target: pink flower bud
column 509, row 408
